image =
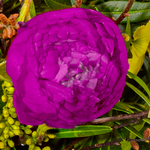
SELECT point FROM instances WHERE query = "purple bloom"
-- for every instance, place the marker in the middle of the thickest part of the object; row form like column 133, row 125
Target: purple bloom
column 67, row 67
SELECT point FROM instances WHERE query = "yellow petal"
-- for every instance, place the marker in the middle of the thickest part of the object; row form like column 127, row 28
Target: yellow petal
column 135, row 62
column 141, row 39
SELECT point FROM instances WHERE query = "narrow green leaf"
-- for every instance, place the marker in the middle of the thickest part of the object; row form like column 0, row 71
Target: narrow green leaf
column 135, row 108
column 128, row 27
column 58, row 4
column 83, row 131
column 147, row 121
column 131, row 129
column 123, row 133
column 140, row 82
column 134, row 131
column 138, row 126
column 128, row 32
column 88, row 142
column 32, row 9
column 121, row 106
column 138, row 12
column 125, row 145
column 142, row 95
column 81, row 143
column 102, row 138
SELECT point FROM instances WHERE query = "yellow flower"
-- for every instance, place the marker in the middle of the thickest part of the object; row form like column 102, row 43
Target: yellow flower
column 46, row 148
column 2, row 145
column 10, row 120
column 29, row 141
column 11, row 143
column 139, row 46
column 4, row 98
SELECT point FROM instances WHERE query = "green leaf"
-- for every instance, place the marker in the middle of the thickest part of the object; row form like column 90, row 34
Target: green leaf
column 128, row 27
column 3, row 74
column 147, row 121
column 140, row 82
column 131, row 129
column 83, row 131
column 142, row 95
column 32, row 9
column 123, row 133
column 81, row 143
column 134, row 131
column 138, row 12
column 102, row 138
column 58, row 4
column 124, row 107
column 128, row 32
column 138, row 127
column 88, row 142
column 125, row 145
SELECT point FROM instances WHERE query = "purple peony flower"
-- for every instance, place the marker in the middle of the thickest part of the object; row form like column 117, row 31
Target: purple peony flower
column 67, row 67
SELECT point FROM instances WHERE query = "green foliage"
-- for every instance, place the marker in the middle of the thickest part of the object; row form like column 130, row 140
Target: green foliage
column 125, row 145
column 58, row 4
column 138, row 12
column 83, row 131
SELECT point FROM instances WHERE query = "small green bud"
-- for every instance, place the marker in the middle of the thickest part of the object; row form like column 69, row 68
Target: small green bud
column 16, row 132
column 6, row 130
column 28, row 131
column 29, row 141
column 37, row 148
column 11, row 134
column 2, row 145
column 11, row 143
column 6, row 136
column 4, row 98
column 46, row 148
column 2, row 125
column 17, row 123
column 10, row 120
column 34, row 134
